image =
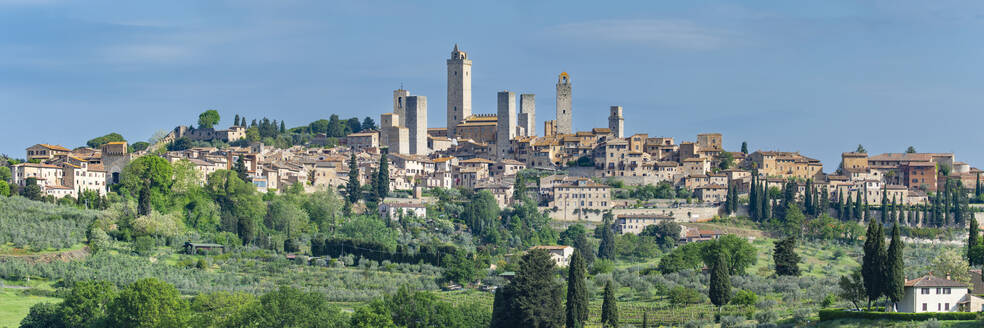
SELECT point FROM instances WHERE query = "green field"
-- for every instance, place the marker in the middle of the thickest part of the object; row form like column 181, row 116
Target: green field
column 14, row 306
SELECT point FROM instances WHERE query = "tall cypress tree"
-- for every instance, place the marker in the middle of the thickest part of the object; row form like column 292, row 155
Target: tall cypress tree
column 884, row 206
column 383, row 178
column 235, row 122
column 857, row 207
column 609, row 308
column 353, row 188
column 143, row 201
column 606, row 250
column 753, row 200
column 977, row 188
column 766, row 204
column 727, row 201
column 872, row 263
column 808, row 203
column 577, row 292
column 720, row 285
column 973, row 240
column 895, row 267
column 841, row 210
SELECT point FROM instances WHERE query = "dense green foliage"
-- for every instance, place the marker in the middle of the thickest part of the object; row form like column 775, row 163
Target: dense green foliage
column 719, row 290
column 532, row 298
column 100, row 141
column 834, row 314
column 785, row 257
column 609, row 307
column 208, row 119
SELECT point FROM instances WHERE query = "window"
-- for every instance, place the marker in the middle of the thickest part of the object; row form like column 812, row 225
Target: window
column 946, row 291
column 946, row 306
column 924, row 307
column 939, row 307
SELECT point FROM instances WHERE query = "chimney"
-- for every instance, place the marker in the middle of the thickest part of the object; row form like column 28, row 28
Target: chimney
column 947, row 276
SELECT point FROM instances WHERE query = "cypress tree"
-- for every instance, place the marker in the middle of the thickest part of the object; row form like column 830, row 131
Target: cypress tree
column 785, row 257
column 645, row 320
column 744, row 147
column 382, row 183
column 895, row 267
column 884, row 206
column 727, row 201
column 353, row 187
column 766, row 205
column 857, row 207
column 973, row 240
column 241, row 170
column 872, row 267
column 577, row 292
column 841, row 210
column 283, row 128
column 236, row 121
column 735, row 201
column 977, row 188
column 808, row 204
column 753, row 200
column 606, row 250
column 609, row 308
column 143, row 201
column 720, row 285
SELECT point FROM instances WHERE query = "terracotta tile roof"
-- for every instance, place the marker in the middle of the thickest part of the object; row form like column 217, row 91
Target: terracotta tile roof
column 54, row 147
column 477, row 160
column 932, row 281
column 550, row 247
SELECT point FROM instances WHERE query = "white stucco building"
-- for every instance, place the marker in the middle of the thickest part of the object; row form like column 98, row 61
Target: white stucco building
column 933, row 294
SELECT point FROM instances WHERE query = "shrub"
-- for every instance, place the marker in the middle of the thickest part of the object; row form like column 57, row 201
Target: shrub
column 744, row 297
column 683, row 295
column 834, row 314
column 144, row 245
column 730, row 321
column 766, row 317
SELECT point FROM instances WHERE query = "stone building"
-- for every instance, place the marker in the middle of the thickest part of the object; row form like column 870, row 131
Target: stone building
column 44, row 152
column 459, row 90
column 416, row 123
column 481, row 128
column 564, row 121
column 505, row 123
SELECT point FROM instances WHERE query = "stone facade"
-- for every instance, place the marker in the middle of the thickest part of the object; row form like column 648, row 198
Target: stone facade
column 527, row 113
column 417, row 124
column 564, row 121
column 400, row 106
column 459, row 90
column 505, row 123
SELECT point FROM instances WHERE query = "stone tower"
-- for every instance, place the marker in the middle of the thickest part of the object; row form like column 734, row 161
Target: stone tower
column 564, row 115
column 417, row 124
column 400, row 105
column 616, row 122
column 527, row 113
column 459, row 89
column 506, row 125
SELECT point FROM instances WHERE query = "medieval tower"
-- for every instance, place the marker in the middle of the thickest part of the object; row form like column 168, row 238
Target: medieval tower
column 616, row 122
column 564, row 121
column 527, row 114
column 417, row 124
column 400, row 105
column 459, row 89
column 506, row 126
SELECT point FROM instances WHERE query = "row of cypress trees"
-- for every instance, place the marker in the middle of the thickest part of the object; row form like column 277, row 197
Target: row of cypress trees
column 882, row 269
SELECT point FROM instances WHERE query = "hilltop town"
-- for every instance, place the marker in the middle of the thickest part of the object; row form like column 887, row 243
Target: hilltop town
column 486, row 151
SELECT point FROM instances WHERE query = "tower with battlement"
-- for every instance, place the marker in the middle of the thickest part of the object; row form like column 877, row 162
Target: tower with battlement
column 459, row 89
column 616, row 122
column 564, row 120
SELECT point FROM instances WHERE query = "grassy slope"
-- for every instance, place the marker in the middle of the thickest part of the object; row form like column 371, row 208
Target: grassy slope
column 15, row 306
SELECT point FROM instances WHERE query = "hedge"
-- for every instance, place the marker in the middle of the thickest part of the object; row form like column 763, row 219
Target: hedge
column 834, row 314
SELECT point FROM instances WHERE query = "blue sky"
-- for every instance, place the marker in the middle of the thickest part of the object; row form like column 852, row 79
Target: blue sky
column 817, row 77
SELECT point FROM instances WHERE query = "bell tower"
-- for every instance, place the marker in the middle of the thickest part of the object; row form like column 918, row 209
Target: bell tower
column 459, row 90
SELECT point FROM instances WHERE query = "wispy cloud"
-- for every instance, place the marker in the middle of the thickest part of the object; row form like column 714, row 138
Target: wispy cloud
column 668, row 33
column 147, row 53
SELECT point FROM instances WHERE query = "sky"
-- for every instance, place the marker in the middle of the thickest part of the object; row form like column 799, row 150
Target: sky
column 818, row 77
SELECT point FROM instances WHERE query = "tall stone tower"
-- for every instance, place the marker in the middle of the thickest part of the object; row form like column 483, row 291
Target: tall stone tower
column 400, row 105
column 417, row 124
column 564, row 115
column 506, row 126
column 527, row 113
column 459, row 89
column 616, row 122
